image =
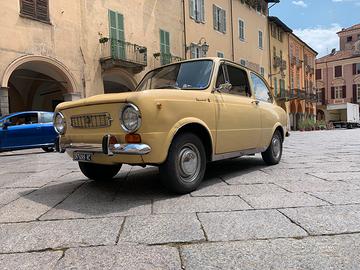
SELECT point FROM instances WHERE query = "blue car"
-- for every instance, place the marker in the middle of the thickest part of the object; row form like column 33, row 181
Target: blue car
column 25, row 130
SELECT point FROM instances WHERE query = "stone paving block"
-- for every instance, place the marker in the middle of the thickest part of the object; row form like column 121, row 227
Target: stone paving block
column 327, row 219
column 338, row 176
column 32, row 236
column 314, row 184
column 222, row 189
column 30, row 207
column 187, row 204
column 157, row 229
column 252, row 224
column 7, row 195
column 282, row 200
column 315, row 253
column 247, row 177
column 287, row 174
column 124, row 256
column 340, row 196
column 33, row 261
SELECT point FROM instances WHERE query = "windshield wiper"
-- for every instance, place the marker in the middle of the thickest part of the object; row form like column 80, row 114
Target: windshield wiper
column 172, row 86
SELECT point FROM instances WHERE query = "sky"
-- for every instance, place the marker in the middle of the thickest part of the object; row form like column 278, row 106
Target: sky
column 317, row 21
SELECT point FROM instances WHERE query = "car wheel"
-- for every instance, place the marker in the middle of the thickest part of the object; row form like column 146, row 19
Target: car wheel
column 273, row 153
column 184, row 168
column 48, row 149
column 99, row 172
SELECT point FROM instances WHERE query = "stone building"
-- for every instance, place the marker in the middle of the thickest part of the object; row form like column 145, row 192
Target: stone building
column 53, row 51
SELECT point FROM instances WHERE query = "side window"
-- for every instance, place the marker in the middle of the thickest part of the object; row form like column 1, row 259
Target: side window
column 239, row 81
column 221, row 77
column 46, row 117
column 262, row 93
column 24, row 119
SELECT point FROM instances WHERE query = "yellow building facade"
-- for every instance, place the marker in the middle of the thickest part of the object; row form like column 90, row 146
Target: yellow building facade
column 64, row 50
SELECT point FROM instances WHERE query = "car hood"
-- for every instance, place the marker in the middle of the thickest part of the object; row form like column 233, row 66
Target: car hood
column 95, row 100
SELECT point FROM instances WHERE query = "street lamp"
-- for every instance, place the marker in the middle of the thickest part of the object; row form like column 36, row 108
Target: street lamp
column 202, row 44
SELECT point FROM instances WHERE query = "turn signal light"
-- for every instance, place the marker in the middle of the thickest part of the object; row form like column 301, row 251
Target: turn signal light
column 133, row 138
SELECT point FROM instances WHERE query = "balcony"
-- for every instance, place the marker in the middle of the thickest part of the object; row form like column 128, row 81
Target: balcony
column 297, row 94
column 311, row 97
column 283, row 95
column 339, row 101
column 166, row 58
column 118, row 53
column 309, row 69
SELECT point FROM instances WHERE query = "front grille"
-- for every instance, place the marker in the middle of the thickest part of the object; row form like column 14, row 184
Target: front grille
column 96, row 120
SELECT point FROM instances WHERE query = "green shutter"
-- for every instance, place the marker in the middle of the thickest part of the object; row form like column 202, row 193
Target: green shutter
column 223, row 19
column 215, row 17
column 192, row 9
column 117, row 35
column 165, row 47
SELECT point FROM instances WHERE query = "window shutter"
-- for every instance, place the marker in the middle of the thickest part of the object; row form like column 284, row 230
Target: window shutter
column 27, row 7
column 323, row 95
column 344, row 91
column 355, row 98
column 215, row 17
column 42, row 10
column 332, row 92
column 192, row 8
column 202, row 11
column 223, row 13
column 354, row 69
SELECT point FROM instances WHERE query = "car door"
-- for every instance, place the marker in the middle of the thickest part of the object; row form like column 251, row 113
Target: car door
column 237, row 114
column 23, row 131
column 48, row 133
column 269, row 117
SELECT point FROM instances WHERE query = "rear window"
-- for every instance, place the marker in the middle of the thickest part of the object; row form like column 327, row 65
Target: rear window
column 47, row 117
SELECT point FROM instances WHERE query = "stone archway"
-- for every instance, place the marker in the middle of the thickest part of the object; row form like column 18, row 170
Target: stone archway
column 118, row 80
column 41, row 82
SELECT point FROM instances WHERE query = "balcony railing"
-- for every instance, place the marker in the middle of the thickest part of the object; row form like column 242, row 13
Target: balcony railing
column 309, row 69
column 297, row 94
column 282, row 95
column 278, row 62
column 124, row 54
column 166, row 58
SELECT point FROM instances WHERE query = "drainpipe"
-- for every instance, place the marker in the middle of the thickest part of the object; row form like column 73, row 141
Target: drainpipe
column 270, row 69
column 184, row 26
column 232, row 31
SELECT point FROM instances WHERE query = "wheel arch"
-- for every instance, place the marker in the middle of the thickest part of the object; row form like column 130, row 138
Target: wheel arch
column 280, row 128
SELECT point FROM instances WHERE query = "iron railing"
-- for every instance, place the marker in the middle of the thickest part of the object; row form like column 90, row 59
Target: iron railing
column 167, row 58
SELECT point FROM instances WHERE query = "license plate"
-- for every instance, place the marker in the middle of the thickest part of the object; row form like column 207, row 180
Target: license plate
column 80, row 156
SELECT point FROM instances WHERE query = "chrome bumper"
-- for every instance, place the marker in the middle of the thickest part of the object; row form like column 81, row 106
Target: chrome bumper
column 106, row 148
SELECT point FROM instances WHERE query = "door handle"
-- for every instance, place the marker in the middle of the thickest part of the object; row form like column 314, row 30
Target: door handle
column 256, row 102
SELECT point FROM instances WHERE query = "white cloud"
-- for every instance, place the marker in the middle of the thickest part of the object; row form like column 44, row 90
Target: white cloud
column 300, row 3
column 321, row 39
column 356, row 2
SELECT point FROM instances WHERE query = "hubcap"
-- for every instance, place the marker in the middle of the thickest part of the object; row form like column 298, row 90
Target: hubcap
column 188, row 162
column 276, row 147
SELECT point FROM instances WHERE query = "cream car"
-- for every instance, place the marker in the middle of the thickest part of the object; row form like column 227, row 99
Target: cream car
column 181, row 117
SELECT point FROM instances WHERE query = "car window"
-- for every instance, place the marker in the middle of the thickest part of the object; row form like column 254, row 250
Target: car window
column 262, row 93
column 239, row 81
column 221, row 77
column 47, row 117
column 24, row 119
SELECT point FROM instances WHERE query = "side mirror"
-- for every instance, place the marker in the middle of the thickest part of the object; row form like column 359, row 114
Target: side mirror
column 223, row 87
column 5, row 124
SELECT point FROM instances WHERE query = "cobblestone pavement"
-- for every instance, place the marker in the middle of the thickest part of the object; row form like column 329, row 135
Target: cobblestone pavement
column 301, row 214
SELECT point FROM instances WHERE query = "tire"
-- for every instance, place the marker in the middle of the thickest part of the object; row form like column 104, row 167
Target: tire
column 48, row 149
column 99, row 172
column 273, row 153
column 184, row 168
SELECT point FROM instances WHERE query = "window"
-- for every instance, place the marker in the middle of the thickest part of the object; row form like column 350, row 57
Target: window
column 275, row 86
column 298, row 79
column 197, row 10
column 338, row 71
column 35, row 9
column 261, row 91
column 274, row 51
column 262, row 71
column 338, row 92
column 318, row 74
column 24, row 119
column 349, row 39
column 358, row 93
column 219, row 16
column 221, row 76
column 117, row 34
column 282, row 85
column 239, row 81
column 196, row 51
column 47, row 117
column 260, row 39
column 242, row 62
column 279, row 35
column 241, row 30
column 292, row 84
column 356, row 68
column 220, row 54
column 165, row 57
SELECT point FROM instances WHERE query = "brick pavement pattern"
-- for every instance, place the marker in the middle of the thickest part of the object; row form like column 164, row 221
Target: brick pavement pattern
column 301, row 214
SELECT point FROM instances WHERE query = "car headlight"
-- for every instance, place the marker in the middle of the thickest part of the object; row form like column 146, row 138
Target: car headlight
column 60, row 123
column 130, row 118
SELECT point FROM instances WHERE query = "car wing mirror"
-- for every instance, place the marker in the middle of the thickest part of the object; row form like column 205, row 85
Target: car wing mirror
column 224, row 87
column 5, row 124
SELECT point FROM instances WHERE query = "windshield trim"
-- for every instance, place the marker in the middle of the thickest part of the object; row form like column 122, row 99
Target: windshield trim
column 188, row 61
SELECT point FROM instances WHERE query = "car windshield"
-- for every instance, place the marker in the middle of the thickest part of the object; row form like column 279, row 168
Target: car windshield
column 3, row 117
column 188, row 75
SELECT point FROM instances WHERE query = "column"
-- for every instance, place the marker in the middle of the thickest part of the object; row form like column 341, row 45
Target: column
column 72, row 96
column 4, row 101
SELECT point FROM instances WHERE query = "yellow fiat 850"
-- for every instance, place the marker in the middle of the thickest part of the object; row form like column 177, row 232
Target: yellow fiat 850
column 181, row 117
